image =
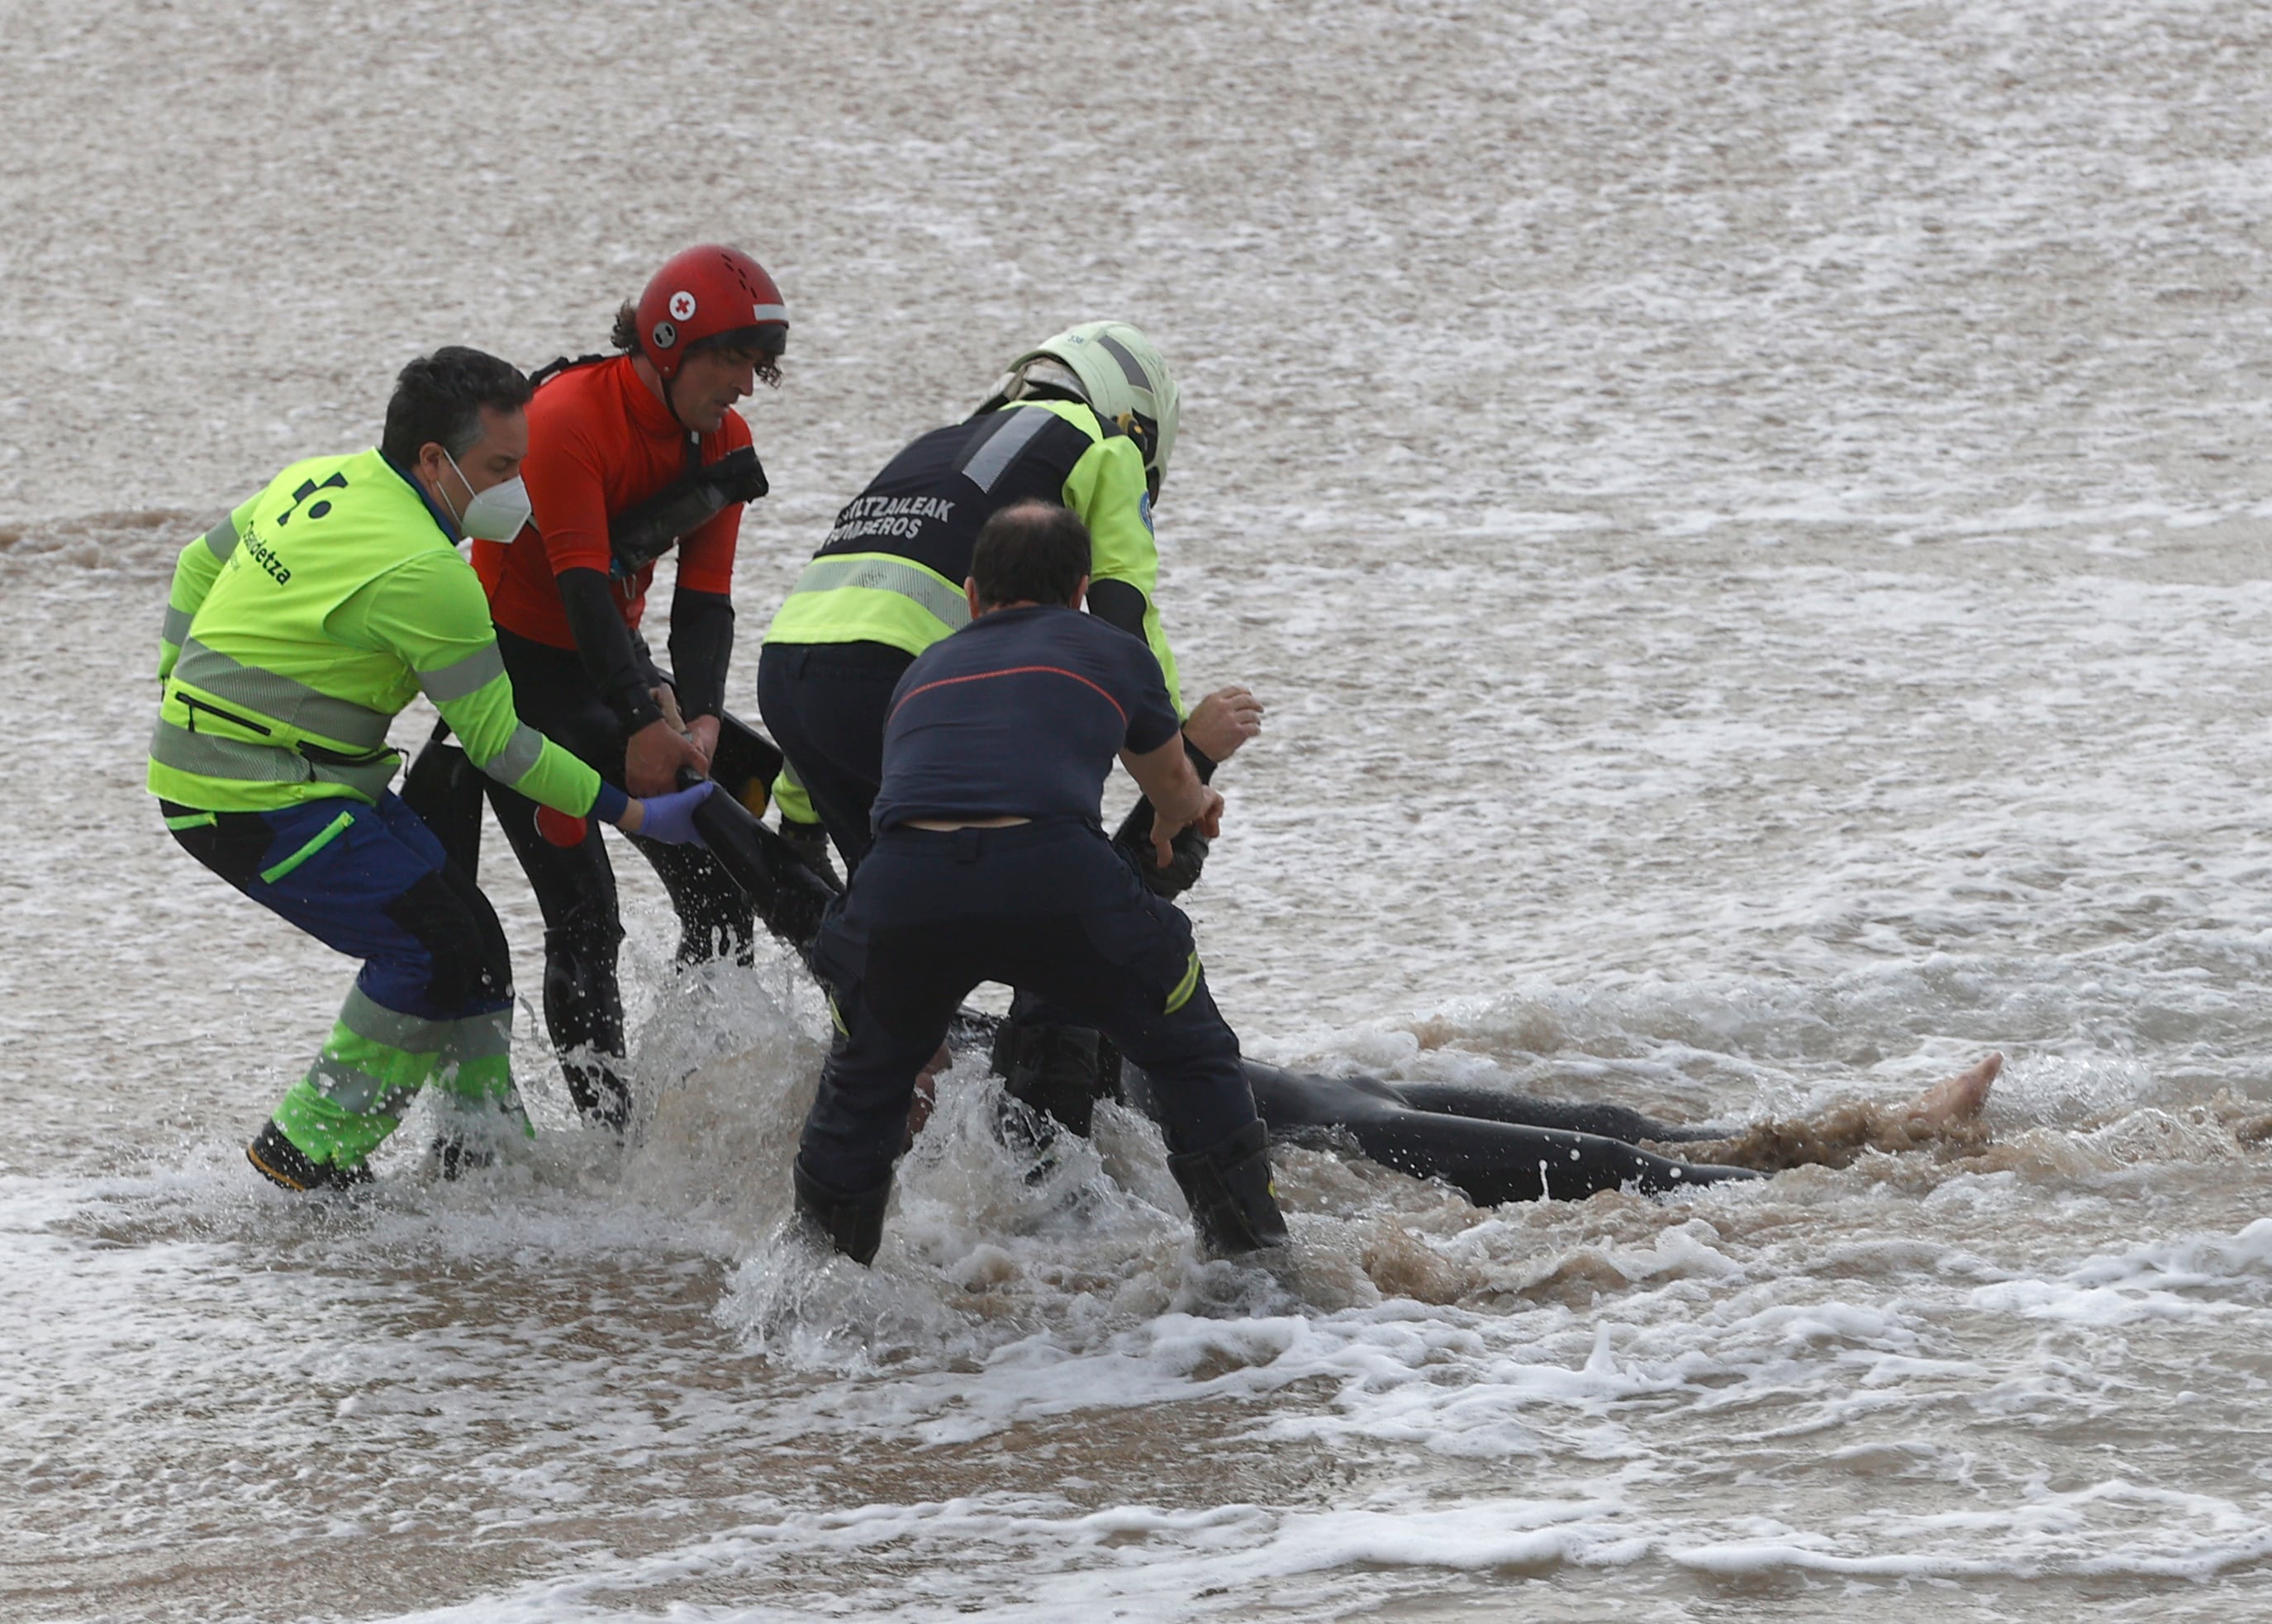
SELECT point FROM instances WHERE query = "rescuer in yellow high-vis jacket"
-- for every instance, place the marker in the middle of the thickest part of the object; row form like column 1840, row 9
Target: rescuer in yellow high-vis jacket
column 1087, row 421
column 295, row 630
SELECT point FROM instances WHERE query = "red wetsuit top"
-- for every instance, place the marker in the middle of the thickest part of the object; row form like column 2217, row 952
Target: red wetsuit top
column 598, row 441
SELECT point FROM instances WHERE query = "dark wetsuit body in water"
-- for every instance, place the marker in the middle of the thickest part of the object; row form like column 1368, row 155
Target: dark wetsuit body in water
column 1492, row 1145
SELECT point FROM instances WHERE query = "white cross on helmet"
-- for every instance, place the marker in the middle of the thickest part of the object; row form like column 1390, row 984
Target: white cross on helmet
column 682, row 306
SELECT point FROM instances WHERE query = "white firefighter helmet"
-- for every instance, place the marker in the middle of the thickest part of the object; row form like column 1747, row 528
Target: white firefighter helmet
column 1115, row 369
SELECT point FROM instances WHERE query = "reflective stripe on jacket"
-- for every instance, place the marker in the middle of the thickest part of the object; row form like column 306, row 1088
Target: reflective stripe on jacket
column 893, row 568
column 296, row 634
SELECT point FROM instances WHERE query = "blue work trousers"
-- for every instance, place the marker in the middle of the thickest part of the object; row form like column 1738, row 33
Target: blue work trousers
column 434, row 998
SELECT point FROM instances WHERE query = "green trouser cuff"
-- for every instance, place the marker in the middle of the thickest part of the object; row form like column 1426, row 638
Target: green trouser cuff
column 350, row 1099
column 475, row 1087
column 790, row 796
column 323, row 1130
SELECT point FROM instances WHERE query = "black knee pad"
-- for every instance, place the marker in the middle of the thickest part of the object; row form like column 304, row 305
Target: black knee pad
column 462, row 936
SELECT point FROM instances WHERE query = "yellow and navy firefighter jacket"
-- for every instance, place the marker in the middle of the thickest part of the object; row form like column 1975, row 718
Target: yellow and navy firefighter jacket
column 891, row 570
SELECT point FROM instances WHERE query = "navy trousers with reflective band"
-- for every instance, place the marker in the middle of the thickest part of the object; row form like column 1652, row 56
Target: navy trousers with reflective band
column 434, row 999
column 1049, row 907
column 826, row 704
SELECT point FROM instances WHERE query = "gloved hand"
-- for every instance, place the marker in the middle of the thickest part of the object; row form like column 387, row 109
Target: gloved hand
column 670, row 818
column 1191, row 847
column 737, row 476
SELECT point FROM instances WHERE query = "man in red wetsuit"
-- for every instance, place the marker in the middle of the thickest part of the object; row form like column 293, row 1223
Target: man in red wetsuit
column 644, row 446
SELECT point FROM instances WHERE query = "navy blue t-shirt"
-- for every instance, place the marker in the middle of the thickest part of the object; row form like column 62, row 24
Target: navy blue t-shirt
column 1020, row 714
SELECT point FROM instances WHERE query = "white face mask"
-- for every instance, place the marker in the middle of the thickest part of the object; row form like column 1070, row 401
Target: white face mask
column 496, row 514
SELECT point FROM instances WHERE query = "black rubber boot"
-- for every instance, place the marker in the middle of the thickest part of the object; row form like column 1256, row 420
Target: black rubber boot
column 281, row 1162
column 1234, row 1205
column 603, row 1099
column 854, row 1225
column 453, row 1158
column 1056, row 1070
column 583, row 1012
column 1029, row 1133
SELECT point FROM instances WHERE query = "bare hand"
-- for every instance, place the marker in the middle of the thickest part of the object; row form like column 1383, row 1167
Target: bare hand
column 703, row 730
column 666, row 698
column 1223, row 721
column 1208, row 822
column 925, row 1099
column 652, row 757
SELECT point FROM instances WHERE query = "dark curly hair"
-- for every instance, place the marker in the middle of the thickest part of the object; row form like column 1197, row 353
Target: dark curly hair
column 624, row 336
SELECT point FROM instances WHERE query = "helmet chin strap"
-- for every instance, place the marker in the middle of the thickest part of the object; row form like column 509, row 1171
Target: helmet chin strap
column 1143, row 431
column 670, row 405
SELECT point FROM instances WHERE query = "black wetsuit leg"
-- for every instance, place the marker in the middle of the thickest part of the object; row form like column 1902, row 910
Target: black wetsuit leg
column 716, row 918
column 575, row 886
column 1488, row 1159
column 575, row 889
column 826, row 704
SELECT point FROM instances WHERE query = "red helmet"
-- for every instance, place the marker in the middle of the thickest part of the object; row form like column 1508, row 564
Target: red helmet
column 710, row 291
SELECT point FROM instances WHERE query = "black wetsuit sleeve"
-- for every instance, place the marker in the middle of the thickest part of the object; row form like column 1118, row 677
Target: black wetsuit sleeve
column 652, row 672
column 1117, row 603
column 611, row 660
column 701, row 648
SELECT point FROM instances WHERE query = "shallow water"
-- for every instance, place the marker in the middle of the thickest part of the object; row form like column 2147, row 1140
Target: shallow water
column 1750, row 522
